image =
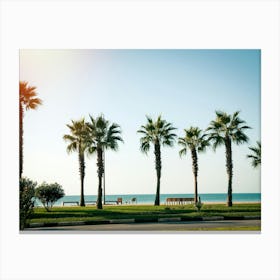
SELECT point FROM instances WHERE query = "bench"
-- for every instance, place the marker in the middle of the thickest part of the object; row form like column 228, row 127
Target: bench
column 118, row 201
column 70, row 202
column 179, row 200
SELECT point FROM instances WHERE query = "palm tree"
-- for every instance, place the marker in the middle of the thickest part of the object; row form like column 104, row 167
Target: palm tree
column 196, row 142
column 224, row 130
column 102, row 136
column 78, row 143
column 27, row 100
column 157, row 133
column 256, row 155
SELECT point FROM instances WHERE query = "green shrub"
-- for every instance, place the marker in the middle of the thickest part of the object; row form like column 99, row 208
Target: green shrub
column 48, row 194
column 26, row 200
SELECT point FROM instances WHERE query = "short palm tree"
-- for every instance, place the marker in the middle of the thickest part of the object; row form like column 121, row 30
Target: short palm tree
column 196, row 142
column 157, row 133
column 256, row 154
column 27, row 100
column 102, row 136
column 225, row 130
column 77, row 143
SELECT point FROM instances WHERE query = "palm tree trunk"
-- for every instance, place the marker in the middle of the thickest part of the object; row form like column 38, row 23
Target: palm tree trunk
column 104, row 197
column 20, row 140
column 158, row 170
column 82, row 176
column 100, row 173
column 229, row 169
column 195, row 171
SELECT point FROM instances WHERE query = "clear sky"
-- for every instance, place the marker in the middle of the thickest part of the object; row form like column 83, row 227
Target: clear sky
column 185, row 86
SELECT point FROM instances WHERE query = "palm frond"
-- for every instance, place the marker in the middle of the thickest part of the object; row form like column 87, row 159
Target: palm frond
column 70, row 138
column 182, row 142
column 256, row 155
column 217, row 141
column 144, row 146
column 72, row 147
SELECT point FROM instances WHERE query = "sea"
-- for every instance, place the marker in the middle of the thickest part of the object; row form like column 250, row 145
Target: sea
column 150, row 198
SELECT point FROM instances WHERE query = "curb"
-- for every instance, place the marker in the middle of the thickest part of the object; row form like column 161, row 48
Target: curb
column 160, row 220
column 144, row 220
column 214, row 218
column 251, row 217
column 122, row 221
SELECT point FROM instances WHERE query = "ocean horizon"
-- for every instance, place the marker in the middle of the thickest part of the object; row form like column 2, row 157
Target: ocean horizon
column 150, row 198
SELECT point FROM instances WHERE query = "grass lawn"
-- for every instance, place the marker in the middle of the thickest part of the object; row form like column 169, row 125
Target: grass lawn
column 141, row 213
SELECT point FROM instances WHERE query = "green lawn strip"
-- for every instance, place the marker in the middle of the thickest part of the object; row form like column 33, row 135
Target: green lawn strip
column 141, row 213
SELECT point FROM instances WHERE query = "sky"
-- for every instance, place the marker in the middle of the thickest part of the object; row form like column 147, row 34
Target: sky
column 184, row 86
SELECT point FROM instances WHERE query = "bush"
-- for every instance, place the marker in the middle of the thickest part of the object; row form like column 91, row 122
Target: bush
column 48, row 194
column 26, row 200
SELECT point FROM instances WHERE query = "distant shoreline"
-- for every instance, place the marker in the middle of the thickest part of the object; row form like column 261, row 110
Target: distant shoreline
column 148, row 199
column 234, row 202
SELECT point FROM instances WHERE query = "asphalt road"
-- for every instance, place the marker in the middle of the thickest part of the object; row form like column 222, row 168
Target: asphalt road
column 163, row 226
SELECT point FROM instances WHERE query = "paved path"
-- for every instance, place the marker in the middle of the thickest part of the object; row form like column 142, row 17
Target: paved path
column 163, row 226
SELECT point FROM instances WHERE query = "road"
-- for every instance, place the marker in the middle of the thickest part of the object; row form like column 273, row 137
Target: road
column 163, row 226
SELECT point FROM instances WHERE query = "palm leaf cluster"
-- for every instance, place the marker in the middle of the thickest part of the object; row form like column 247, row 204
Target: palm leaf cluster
column 156, row 132
column 28, row 96
column 256, row 154
column 227, row 127
column 103, row 134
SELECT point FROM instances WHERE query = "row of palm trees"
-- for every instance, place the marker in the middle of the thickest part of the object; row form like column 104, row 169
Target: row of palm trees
column 98, row 135
column 224, row 130
column 92, row 137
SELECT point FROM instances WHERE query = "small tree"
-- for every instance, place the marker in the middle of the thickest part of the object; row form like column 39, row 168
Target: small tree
column 26, row 200
column 48, row 194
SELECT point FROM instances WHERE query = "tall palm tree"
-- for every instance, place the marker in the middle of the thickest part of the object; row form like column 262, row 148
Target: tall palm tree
column 27, row 100
column 78, row 143
column 256, row 155
column 102, row 136
column 196, row 142
column 157, row 133
column 225, row 130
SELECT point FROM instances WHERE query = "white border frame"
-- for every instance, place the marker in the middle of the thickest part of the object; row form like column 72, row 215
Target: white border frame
column 140, row 24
